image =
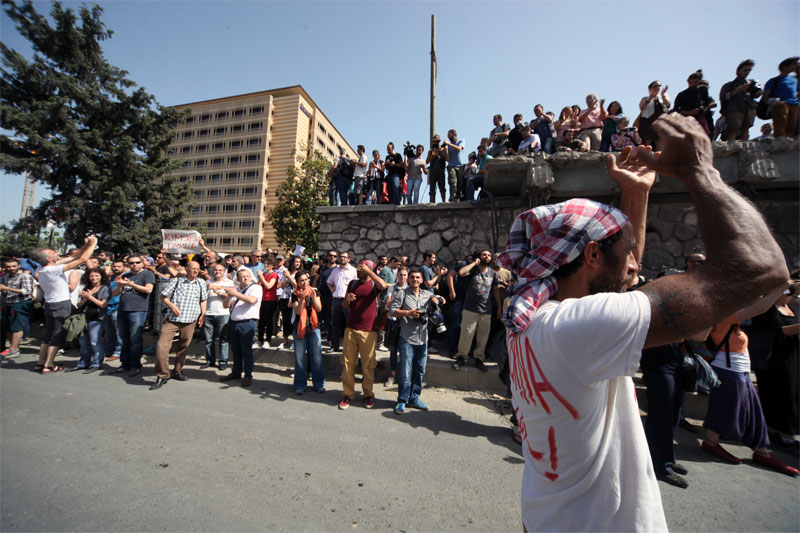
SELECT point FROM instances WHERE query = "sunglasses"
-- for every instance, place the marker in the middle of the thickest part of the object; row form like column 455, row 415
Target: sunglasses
column 134, row 262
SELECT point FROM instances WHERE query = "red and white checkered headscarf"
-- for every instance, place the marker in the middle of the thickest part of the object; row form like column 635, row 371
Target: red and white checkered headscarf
column 544, row 239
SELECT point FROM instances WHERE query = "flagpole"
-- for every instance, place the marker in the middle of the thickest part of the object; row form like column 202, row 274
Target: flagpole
column 433, row 78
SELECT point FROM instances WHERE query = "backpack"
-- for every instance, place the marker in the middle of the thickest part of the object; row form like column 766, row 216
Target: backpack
column 346, row 168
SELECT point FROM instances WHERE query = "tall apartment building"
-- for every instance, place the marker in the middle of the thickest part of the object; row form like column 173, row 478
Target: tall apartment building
column 236, row 151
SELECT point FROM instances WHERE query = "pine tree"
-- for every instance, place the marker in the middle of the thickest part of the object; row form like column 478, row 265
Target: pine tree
column 81, row 127
column 294, row 216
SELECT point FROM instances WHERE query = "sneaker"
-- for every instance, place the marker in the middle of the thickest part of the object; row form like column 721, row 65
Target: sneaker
column 776, row 464
column 369, row 402
column 459, row 362
column 480, row 365
column 382, row 348
column 418, row 404
column 282, row 346
column 345, row 403
column 8, row 354
column 112, row 358
column 400, row 408
column 256, row 345
column 389, row 381
column 265, row 344
column 222, row 366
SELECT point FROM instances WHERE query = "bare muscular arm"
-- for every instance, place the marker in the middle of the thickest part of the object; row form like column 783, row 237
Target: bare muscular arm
column 743, row 260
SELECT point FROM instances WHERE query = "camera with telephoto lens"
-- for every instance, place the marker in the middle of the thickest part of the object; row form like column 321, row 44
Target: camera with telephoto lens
column 433, row 312
column 409, row 150
column 755, row 87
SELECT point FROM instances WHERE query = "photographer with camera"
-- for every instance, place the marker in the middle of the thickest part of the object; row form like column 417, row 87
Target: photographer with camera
column 413, row 307
column 626, row 136
column 498, row 136
column 438, row 157
column 476, row 320
column 738, row 98
column 395, row 170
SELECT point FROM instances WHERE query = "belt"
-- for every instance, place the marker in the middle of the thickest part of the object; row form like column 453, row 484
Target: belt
column 245, row 320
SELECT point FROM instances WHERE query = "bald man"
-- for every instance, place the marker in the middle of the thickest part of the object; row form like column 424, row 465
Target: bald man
column 185, row 299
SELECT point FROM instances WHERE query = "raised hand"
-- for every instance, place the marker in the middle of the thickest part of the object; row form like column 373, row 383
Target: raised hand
column 629, row 171
column 685, row 147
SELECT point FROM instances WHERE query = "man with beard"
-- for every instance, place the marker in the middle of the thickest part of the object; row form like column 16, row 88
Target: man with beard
column 361, row 334
column 476, row 319
column 575, row 336
column 134, row 290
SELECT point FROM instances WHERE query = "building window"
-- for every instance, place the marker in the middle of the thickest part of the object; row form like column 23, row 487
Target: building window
column 192, row 224
column 196, row 210
column 231, row 192
column 204, row 133
column 254, row 142
column 339, row 148
column 228, row 224
column 186, row 150
column 235, row 160
column 222, row 115
column 248, row 208
column 253, row 157
column 211, row 224
column 254, row 126
column 322, row 128
column 213, row 193
column 330, row 152
column 199, row 179
column 236, row 144
column 202, row 147
column 331, row 139
column 249, row 190
column 225, row 240
column 171, row 151
column 245, row 241
column 233, row 176
column 183, row 179
column 246, row 224
column 238, row 128
column 211, row 240
column 188, row 134
column 200, row 163
column 320, row 143
column 219, row 131
column 198, row 194
column 185, row 164
column 238, row 113
column 251, row 174
column 212, row 209
column 216, row 161
column 215, row 177
column 189, row 120
column 205, row 117
column 257, row 110
column 229, row 209
column 219, row 146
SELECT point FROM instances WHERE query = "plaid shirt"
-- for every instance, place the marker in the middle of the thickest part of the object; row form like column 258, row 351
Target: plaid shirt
column 621, row 140
column 187, row 295
column 545, row 238
column 23, row 281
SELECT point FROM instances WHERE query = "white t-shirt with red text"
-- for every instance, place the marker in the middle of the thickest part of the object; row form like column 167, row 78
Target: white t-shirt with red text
column 587, row 464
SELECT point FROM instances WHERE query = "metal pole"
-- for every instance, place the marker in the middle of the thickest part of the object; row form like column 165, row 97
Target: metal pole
column 433, row 78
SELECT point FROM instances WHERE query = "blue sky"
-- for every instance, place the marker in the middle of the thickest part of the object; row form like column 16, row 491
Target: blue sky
column 366, row 64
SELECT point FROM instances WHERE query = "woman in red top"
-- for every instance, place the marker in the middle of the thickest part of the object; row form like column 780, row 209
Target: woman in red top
column 269, row 302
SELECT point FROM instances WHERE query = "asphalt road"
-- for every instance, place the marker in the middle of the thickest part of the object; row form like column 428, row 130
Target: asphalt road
column 103, row 453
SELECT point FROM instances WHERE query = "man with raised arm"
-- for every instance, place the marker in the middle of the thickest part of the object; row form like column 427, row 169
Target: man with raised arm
column 57, row 305
column 575, row 337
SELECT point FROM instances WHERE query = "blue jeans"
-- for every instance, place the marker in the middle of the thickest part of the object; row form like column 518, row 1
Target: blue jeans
column 91, row 347
column 548, row 145
column 214, row 329
column 343, row 189
column 113, row 342
column 332, row 200
column 661, row 374
column 130, row 327
column 454, row 326
column 393, row 188
column 311, row 345
column 413, row 190
column 410, row 369
column 473, row 183
column 242, row 334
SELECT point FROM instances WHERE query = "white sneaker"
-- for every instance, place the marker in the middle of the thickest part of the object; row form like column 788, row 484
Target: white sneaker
column 256, row 345
column 382, row 348
column 265, row 345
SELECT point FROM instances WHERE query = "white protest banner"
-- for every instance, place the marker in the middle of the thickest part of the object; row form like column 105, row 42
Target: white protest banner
column 181, row 241
column 298, row 250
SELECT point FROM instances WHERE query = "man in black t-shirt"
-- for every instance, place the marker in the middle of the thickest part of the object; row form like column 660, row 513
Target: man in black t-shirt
column 395, row 170
column 134, row 290
column 476, row 320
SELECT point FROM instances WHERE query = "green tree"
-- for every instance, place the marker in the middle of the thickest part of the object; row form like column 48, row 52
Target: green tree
column 294, row 216
column 94, row 137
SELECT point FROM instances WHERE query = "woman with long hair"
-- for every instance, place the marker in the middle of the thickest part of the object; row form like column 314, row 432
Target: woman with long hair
column 288, row 285
column 92, row 302
column 306, row 304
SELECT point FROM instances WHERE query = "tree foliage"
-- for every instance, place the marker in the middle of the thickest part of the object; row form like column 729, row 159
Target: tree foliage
column 93, row 136
column 295, row 217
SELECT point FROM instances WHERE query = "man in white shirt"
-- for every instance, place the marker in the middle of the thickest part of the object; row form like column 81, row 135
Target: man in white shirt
column 244, row 302
column 337, row 282
column 57, row 305
column 360, row 174
column 575, row 338
column 217, row 316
